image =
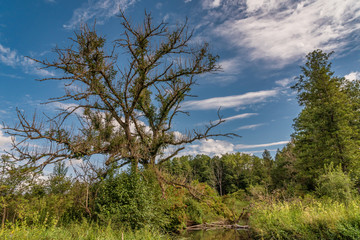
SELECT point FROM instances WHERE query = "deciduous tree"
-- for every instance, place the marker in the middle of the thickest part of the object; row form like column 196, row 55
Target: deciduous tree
column 125, row 109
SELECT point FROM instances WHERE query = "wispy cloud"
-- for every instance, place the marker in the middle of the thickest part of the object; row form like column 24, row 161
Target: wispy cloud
column 285, row 82
column 353, row 76
column 252, row 126
column 99, row 9
column 230, row 66
column 258, row 151
column 283, row 31
column 240, row 116
column 244, row 146
column 230, row 101
column 209, row 4
column 10, row 76
column 11, row 58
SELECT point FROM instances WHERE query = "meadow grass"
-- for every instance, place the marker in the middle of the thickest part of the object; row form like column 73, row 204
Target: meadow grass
column 79, row 231
column 307, row 219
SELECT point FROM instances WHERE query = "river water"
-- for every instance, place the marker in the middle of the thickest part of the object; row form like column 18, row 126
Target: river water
column 219, row 234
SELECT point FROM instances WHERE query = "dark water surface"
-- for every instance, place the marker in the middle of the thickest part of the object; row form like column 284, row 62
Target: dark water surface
column 219, row 234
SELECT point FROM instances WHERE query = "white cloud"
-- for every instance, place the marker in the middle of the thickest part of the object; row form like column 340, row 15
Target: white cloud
column 264, row 5
column 68, row 107
column 4, row 141
column 244, row 146
column 166, row 17
column 230, row 66
column 209, row 147
column 208, row 4
column 99, row 9
column 353, row 76
column 240, row 116
column 284, row 31
column 8, row 57
column 30, row 66
column 284, row 82
column 212, row 147
column 230, row 101
column 11, row 58
column 252, row 126
column 186, row 1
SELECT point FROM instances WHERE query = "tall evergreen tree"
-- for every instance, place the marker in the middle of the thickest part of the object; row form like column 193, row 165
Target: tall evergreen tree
column 324, row 130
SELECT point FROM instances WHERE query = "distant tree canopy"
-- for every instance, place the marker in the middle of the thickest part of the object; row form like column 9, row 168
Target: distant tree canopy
column 126, row 110
column 227, row 174
column 327, row 129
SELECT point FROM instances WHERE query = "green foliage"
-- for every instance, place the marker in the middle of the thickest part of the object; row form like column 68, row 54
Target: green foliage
column 306, row 219
column 227, row 174
column 79, row 231
column 36, row 211
column 335, row 184
column 129, row 199
column 324, row 130
column 59, row 183
column 179, row 166
column 237, row 203
column 283, row 171
column 202, row 169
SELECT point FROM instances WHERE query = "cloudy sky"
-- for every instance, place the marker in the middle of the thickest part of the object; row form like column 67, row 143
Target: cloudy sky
column 261, row 44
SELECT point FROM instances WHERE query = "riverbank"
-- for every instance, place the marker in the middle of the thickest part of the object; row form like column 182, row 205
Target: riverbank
column 307, row 218
column 79, row 231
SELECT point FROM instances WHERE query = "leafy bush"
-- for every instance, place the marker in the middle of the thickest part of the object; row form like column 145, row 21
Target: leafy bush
column 129, row 199
column 334, row 184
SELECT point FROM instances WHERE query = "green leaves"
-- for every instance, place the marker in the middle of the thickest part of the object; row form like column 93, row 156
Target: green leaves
column 324, row 130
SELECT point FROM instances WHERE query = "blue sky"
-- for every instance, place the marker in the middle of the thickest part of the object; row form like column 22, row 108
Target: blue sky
column 261, row 44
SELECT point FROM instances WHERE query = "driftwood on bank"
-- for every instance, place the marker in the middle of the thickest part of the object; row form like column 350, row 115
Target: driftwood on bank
column 216, row 225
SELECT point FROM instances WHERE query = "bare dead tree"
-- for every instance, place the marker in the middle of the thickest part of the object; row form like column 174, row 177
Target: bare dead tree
column 125, row 109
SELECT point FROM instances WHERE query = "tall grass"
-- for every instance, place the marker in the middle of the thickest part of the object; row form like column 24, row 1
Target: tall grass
column 307, row 219
column 80, row 231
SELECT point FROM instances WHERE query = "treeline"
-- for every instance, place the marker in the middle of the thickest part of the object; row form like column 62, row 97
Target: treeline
column 120, row 198
column 135, row 199
column 237, row 171
column 207, row 188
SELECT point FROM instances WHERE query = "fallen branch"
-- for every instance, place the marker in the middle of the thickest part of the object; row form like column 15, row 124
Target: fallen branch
column 216, row 225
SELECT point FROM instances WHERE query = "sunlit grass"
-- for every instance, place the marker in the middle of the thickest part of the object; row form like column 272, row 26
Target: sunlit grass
column 307, row 219
column 82, row 231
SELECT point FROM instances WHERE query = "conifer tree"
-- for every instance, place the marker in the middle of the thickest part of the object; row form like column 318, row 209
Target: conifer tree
column 324, row 130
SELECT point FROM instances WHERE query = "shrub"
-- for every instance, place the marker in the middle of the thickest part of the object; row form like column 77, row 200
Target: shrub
column 129, row 199
column 334, row 184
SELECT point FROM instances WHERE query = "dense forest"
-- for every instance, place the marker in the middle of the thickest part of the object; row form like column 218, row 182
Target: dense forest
column 308, row 190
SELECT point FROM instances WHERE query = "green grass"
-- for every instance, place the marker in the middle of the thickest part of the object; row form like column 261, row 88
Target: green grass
column 307, row 219
column 83, row 231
